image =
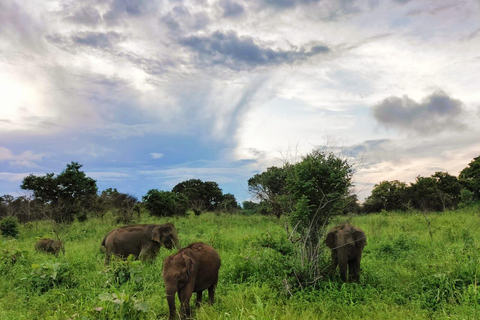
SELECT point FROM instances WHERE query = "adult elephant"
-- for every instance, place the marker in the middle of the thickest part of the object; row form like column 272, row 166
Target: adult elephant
column 192, row 269
column 143, row 241
column 50, row 246
column 347, row 243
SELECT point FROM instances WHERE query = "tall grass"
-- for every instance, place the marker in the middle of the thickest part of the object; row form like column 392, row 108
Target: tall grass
column 407, row 272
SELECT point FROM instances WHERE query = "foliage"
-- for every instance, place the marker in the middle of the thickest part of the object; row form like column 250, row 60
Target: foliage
column 470, row 178
column 202, row 196
column 387, row 195
column 49, row 275
column 66, row 195
column 9, row 257
column 121, row 271
column 270, row 188
column 124, row 306
column 122, row 205
column 9, row 227
column 229, row 203
column 165, row 203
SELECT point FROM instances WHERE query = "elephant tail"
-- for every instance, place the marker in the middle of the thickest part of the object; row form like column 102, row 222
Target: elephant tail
column 102, row 246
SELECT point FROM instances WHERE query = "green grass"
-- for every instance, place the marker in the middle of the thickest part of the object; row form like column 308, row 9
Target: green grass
column 406, row 273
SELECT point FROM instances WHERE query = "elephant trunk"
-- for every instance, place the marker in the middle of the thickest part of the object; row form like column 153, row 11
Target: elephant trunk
column 342, row 256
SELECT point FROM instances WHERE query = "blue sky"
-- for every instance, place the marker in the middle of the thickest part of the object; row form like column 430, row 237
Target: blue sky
column 146, row 94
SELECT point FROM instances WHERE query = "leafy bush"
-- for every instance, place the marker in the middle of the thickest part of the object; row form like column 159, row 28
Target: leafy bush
column 9, row 227
column 165, row 203
column 48, row 275
column 8, row 258
column 122, row 306
column 123, row 271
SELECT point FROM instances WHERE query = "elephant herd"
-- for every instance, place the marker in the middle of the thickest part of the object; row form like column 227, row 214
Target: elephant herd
column 195, row 267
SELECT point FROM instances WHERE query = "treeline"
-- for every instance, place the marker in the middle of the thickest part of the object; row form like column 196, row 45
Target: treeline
column 72, row 195
column 438, row 192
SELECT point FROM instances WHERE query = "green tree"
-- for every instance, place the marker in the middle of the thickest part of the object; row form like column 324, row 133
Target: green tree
column 229, row 203
column 448, row 189
column 470, row 178
column 387, row 195
column 270, row 188
column 66, row 195
column 165, row 203
column 202, row 196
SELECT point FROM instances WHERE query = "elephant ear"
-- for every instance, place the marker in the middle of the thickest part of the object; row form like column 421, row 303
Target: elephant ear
column 360, row 238
column 188, row 265
column 330, row 240
column 156, row 234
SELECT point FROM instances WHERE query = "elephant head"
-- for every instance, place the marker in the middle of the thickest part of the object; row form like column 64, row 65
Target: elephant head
column 347, row 243
column 166, row 235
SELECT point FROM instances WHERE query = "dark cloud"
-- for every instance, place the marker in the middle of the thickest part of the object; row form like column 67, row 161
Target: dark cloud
column 283, row 4
column 231, row 9
column 437, row 112
column 97, row 39
column 180, row 19
column 237, row 53
column 86, row 15
column 130, row 8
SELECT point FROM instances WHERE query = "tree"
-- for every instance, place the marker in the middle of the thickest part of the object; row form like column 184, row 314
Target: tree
column 448, row 189
column 122, row 205
column 387, row 195
column 202, row 196
column 165, row 203
column 229, row 203
column 65, row 195
column 470, row 178
column 270, row 188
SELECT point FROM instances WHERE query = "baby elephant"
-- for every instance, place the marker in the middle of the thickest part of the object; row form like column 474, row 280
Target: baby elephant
column 347, row 243
column 50, row 246
column 192, row 269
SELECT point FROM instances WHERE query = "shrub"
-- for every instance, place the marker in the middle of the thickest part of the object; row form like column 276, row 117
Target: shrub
column 165, row 203
column 9, row 227
column 122, row 306
column 123, row 271
column 48, row 275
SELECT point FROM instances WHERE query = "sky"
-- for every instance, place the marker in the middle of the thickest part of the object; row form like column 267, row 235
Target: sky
column 147, row 94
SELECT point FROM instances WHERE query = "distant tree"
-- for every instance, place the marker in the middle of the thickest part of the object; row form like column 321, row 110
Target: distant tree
column 352, row 205
column 448, row 189
column 122, row 205
column 470, row 178
column 229, row 203
column 165, row 203
column 387, row 195
column 270, row 188
column 250, row 205
column 424, row 194
column 66, row 195
column 202, row 196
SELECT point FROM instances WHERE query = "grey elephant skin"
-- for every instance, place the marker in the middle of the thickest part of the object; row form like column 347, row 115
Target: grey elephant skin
column 346, row 243
column 192, row 269
column 50, row 246
column 143, row 241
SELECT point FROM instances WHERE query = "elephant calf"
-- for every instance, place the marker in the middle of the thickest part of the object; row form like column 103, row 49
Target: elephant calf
column 143, row 241
column 192, row 269
column 50, row 246
column 346, row 243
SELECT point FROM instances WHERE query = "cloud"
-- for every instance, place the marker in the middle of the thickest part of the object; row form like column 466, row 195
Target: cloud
column 25, row 159
column 86, row 15
column 241, row 52
column 283, row 4
column 231, row 9
column 181, row 19
column 156, row 155
column 120, row 9
column 437, row 112
column 97, row 39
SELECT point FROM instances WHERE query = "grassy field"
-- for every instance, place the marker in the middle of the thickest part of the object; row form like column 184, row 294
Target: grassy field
column 410, row 270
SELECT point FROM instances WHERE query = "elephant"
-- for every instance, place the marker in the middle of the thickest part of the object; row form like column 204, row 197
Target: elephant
column 143, row 241
column 347, row 243
column 50, row 246
column 192, row 269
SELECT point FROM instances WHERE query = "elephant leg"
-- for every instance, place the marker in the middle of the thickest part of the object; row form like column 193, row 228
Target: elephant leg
column 211, row 293
column 185, row 294
column 199, row 298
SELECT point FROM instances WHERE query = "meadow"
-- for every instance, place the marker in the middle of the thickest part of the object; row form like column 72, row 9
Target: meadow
column 415, row 266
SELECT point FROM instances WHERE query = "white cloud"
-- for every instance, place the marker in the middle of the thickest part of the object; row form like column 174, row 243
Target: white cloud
column 156, row 155
column 27, row 158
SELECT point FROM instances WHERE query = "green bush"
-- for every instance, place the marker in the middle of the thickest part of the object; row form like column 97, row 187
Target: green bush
column 9, row 227
column 49, row 275
column 165, row 203
column 123, row 271
column 121, row 306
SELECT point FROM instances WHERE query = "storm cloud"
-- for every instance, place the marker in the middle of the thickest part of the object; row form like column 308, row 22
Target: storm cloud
column 437, row 112
column 241, row 52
